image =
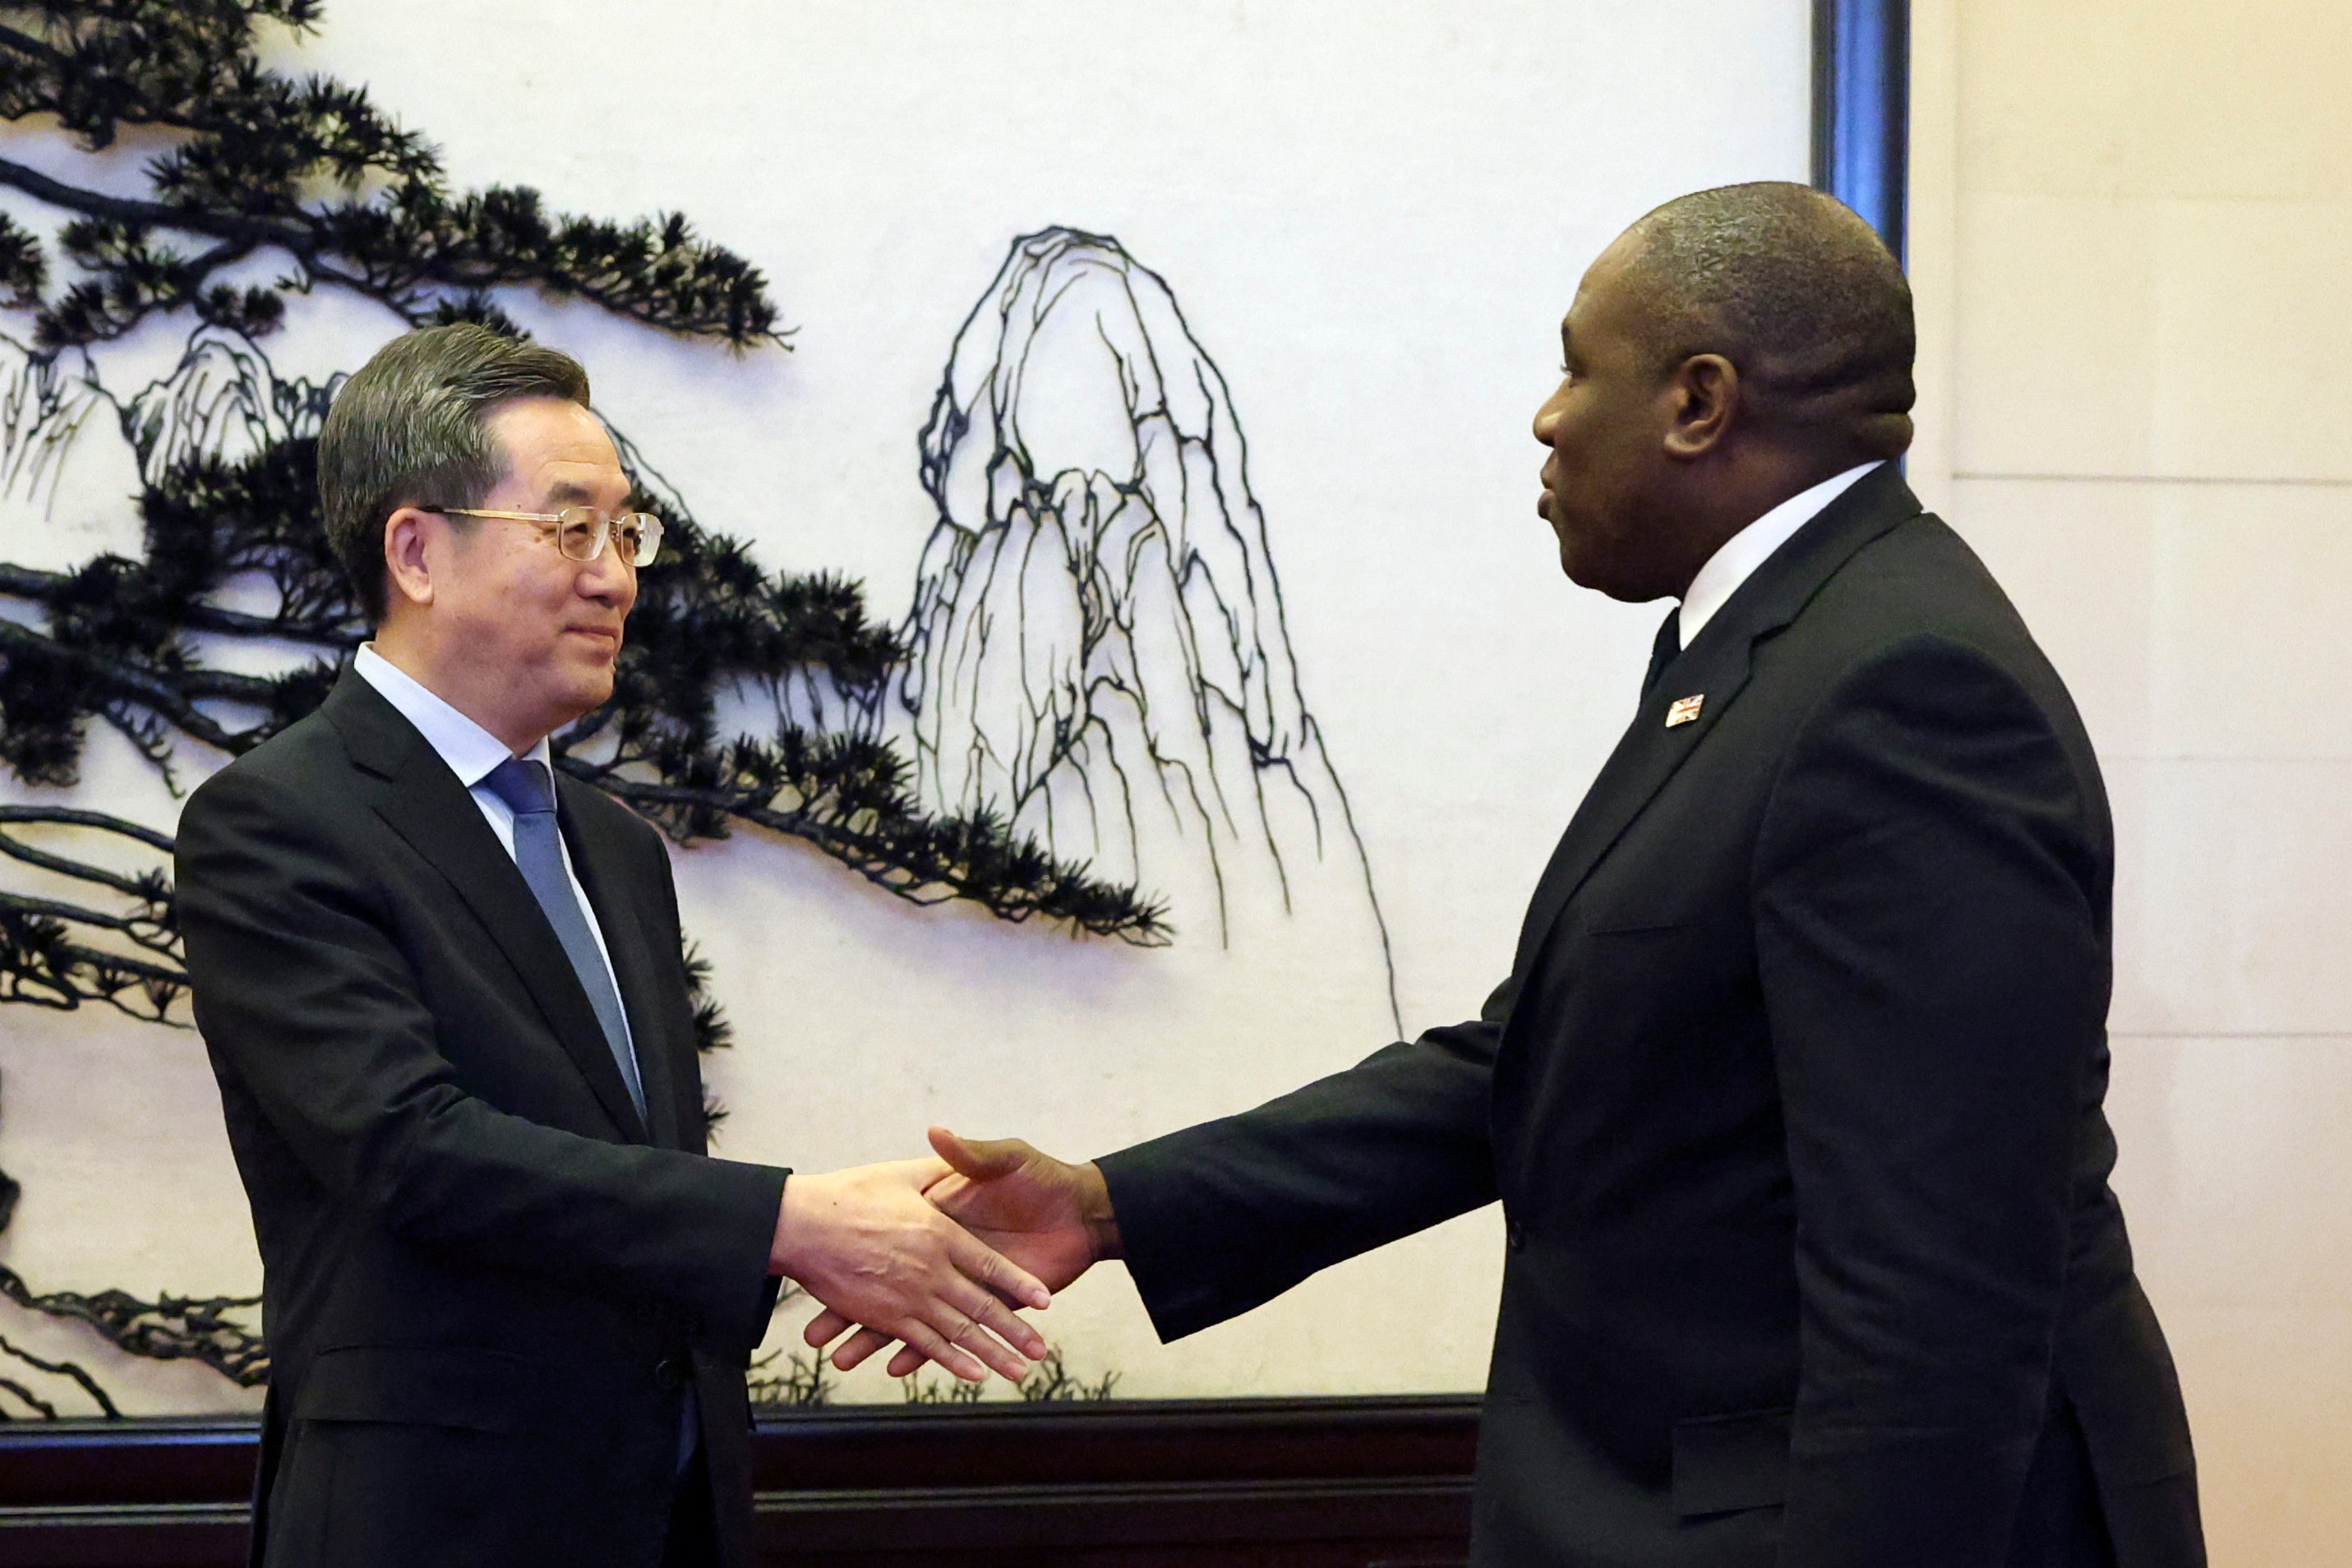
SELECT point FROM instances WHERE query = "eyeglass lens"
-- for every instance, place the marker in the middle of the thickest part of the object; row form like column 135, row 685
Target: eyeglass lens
column 581, row 532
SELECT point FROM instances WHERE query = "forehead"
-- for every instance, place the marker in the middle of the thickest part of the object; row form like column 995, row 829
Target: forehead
column 1606, row 307
column 557, row 450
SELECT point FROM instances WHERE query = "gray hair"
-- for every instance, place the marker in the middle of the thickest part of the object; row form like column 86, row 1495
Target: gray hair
column 410, row 428
column 1800, row 293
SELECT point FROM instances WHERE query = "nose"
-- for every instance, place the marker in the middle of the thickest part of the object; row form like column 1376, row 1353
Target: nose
column 609, row 580
column 1548, row 416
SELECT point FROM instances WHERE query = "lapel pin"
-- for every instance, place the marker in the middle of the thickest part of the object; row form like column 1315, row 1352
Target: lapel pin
column 1685, row 710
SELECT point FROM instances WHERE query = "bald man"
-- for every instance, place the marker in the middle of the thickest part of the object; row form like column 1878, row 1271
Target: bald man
column 1792, row 1096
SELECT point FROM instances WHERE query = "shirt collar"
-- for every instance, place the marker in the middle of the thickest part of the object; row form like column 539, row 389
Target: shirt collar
column 1740, row 555
column 471, row 751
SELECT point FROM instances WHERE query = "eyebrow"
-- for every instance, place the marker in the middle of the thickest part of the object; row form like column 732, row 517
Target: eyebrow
column 572, row 492
column 1567, row 349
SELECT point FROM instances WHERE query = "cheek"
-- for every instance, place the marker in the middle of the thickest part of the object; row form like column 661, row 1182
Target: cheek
column 1582, row 444
column 520, row 612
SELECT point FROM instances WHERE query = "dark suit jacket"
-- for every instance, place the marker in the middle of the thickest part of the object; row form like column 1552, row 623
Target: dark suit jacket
column 1792, row 1101
column 486, row 1281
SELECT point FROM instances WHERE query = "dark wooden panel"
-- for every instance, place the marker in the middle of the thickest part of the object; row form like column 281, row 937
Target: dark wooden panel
column 1261, row 1483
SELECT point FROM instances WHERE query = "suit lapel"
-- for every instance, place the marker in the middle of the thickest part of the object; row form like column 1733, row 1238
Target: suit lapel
column 601, row 863
column 1714, row 668
column 429, row 809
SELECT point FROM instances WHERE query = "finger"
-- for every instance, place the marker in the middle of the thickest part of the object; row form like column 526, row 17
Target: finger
column 908, row 1362
column 953, row 1358
column 824, row 1328
column 968, row 1334
column 918, row 1172
column 983, row 1263
column 862, row 1344
column 945, row 1191
column 981, row 1158
column 992, row 1313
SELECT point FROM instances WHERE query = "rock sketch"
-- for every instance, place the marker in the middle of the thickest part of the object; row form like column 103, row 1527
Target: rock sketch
column 1097, row 649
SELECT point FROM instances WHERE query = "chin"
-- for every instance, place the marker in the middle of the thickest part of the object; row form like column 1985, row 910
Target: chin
column 1577, row 565
column 589, row 692
column 1595, row 576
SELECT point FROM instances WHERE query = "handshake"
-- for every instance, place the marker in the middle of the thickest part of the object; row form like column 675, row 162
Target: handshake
column 934, row 1255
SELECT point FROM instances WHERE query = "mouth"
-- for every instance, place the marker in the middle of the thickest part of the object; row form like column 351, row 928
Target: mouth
column 602, row 635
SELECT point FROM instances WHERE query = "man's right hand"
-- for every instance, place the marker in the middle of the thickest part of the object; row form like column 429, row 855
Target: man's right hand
column 1043, row 1214
column 873, row 1249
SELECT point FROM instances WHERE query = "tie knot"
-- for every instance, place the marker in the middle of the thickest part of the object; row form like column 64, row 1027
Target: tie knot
column 522, row 782
column 1668, row 644
column 1664, row 648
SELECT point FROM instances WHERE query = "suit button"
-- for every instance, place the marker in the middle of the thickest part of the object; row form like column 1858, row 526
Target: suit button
column 671, row 1371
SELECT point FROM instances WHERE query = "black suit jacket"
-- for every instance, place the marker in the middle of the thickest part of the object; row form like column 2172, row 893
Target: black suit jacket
column 1793, row 1103
column 486, row 1280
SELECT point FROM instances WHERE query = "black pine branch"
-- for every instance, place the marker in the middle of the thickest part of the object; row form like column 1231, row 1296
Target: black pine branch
column 169, row 1327
column 73, row 1369
column 311, row 169
column 47, row 958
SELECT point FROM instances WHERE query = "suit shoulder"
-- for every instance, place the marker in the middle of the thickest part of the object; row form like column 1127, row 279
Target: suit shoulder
column 1921, row 580
column 1916, row 616
column 298, row 760
column 1920, row 576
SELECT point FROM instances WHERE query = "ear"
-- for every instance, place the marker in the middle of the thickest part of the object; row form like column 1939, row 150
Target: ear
column 411, row 539
column 1703, row 399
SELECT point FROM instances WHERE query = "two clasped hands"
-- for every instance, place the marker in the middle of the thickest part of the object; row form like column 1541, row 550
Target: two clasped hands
column 934, row 1255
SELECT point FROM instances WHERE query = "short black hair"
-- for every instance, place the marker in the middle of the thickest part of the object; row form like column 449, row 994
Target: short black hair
column 409, row 428
column 1800, row 294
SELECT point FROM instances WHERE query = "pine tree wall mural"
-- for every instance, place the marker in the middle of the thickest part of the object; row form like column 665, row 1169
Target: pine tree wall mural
column 310, row 176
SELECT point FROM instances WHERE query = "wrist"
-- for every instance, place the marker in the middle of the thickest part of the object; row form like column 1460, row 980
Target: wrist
column 1095, row 1209
column 792, row 1229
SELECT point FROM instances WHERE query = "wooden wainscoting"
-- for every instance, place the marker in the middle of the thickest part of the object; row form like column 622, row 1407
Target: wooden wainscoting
column 1241, row 1483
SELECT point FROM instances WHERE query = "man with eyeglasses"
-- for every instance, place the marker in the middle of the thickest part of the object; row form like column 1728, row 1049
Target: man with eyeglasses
column 509, row 1299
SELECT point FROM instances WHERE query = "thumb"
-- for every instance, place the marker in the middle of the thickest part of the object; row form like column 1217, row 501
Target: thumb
column 982, row 1159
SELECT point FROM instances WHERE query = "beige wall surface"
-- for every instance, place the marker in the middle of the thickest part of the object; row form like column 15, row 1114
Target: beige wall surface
column 2135, row 228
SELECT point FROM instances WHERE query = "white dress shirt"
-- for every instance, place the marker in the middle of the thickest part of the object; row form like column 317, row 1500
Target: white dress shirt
column 472, row 753
column 1744, row 552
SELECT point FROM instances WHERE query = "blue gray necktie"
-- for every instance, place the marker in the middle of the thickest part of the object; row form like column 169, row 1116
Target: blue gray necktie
column 523, row 784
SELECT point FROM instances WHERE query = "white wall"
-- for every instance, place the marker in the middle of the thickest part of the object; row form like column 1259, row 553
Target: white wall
column 2135, row 224
column 1374, row 217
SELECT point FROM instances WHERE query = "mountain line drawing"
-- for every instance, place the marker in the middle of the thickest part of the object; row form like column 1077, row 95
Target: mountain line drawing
column 1097, row 648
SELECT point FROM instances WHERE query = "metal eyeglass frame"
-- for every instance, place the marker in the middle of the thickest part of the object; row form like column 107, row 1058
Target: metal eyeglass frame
column 602, row 525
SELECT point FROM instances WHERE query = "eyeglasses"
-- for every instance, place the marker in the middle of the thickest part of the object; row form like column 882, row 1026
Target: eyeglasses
column 581, row 531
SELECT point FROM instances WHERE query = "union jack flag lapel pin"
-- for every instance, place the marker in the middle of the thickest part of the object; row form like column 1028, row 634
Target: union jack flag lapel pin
column 1685, row 710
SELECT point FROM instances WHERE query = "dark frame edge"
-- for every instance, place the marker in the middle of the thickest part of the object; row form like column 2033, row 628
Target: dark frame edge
column 1861, row 110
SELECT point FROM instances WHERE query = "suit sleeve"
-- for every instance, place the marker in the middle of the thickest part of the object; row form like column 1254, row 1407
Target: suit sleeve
column 303, row 996
column 1226, row 1215
column 1930, row 912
